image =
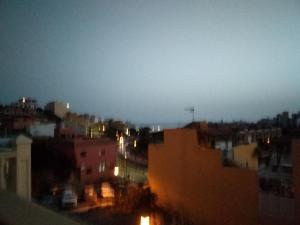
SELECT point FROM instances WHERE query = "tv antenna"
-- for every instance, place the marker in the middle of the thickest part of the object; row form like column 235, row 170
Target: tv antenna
column 192, row 111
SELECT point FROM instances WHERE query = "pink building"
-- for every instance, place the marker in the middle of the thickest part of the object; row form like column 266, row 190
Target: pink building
column 92, row 159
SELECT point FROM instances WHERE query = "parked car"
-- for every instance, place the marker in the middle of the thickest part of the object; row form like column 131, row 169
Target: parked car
column 69, row 198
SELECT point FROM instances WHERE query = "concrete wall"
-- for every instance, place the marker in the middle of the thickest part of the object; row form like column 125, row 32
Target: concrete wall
column 190, row 179
column 243, row 156
column 15, row 167
column 23, row 149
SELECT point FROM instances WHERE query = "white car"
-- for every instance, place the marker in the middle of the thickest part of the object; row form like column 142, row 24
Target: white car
column 69, row 198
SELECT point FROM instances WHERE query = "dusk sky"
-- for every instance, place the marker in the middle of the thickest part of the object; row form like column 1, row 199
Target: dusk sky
column 145, row 61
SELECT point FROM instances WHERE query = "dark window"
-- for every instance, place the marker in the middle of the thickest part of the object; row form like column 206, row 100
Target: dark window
column 102, row 152
column 88, row 171
column 287, row 169
column 83, row 154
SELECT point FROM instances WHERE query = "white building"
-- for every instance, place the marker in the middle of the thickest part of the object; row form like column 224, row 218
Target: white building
column 42, row 129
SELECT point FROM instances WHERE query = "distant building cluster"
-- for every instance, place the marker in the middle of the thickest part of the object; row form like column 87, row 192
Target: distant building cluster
column 283, row 120
column 71, row 146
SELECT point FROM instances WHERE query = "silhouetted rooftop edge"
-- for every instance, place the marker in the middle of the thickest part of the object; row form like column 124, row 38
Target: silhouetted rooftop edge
column 17, row 211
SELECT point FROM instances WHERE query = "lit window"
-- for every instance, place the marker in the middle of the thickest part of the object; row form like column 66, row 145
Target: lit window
column 116, row 171
column 134, row 143
column 102, row 167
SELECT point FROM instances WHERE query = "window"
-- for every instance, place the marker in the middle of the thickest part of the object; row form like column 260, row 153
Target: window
column 89, row 171
column 83, row 154
column 82, row 167
column 102, row 152
column 102, row 167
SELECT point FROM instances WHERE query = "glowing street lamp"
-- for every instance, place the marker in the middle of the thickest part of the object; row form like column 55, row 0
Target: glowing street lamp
column 145, row 220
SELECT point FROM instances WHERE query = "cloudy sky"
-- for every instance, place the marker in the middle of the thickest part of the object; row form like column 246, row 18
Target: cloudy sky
column 146, row 60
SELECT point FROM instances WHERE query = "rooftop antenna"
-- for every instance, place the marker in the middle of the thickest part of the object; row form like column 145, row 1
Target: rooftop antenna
column 192, row 111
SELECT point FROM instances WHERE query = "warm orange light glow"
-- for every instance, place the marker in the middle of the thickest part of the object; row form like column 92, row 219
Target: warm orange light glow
column 107, row 191
column 116, row 171
column 145, row 220
column 268, row 141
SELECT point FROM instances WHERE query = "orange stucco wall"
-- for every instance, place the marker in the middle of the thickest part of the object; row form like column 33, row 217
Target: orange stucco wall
column 192, row 180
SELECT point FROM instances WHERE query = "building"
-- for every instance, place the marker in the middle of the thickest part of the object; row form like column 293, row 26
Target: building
column 246, row 156
column 25, row 103
column 296, row 175
column 59, row 109
column 84, row 125
column 15, row 165
column 38, row 129
column 237, row 142
column 279, row 170
column 189, row 178
column 133, row 169
column 16, row 117
column 91, row 159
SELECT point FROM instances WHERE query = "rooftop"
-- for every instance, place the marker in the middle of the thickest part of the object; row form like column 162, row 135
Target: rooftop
column 15, row 211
